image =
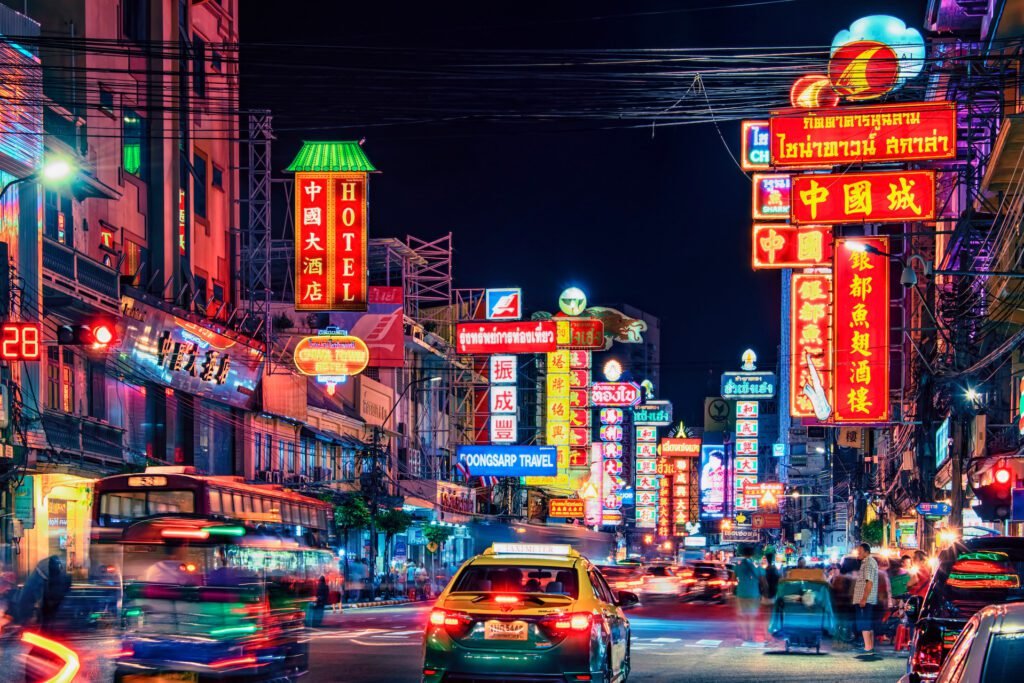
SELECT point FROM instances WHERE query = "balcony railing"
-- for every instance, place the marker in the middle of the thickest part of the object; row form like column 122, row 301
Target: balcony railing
column 82, row 437
column 80, row 276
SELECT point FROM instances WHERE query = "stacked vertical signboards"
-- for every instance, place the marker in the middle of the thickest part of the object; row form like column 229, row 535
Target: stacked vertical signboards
column 838, row 367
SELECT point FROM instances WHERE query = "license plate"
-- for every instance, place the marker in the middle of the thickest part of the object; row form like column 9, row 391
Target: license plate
column 505, row 630
column 178, row 677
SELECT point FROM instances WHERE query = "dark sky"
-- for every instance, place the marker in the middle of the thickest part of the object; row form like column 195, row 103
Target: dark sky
column 660, row 222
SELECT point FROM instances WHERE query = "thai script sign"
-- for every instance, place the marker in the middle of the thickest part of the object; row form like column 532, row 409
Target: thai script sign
column 909, row 131
column 861, row 354
column 689, row 448
column 657, row 413
column 569, row 508
column 506, row 337
column 616, row 394
column 754, row 143
column 748, row 385
column 771, row 196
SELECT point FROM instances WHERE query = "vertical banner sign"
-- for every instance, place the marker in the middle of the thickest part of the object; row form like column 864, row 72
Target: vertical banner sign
column 810, row 327
column 330, row 241
column 504, row 423
column 861, row 357
column 712, row 482
column 647, row 482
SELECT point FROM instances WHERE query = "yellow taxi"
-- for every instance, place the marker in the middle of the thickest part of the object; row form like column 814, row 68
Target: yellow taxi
column 524, row 611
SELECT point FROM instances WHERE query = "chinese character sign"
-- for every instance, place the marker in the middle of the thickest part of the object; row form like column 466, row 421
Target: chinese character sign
column 861, row 356
column 330, row 241
column 810, row 326
column 777, row 245
column 885, row 196
column 911, row 131
column 771, row 196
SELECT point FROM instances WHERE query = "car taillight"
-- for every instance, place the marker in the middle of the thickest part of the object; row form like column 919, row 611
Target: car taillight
column 561, row 624
column 506, row 599
column 456, row 623
column 927, row 658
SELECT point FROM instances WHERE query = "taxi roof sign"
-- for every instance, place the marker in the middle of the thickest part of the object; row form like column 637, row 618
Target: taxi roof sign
column 548, row 549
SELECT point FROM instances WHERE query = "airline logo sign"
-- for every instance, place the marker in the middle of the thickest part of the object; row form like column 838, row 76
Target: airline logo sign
column 616, row 394
column 504, row 304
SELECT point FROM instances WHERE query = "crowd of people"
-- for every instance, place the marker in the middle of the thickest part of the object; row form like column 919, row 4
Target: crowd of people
column 403, row 580
column 868, row 593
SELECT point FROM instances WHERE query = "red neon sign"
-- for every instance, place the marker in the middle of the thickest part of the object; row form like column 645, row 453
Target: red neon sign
column 910, row 131
column 887, row 196
column 810, row 327
column 330, row 241
column 786, row 246
column 620, row 394
column 506, row 337
column 864, row 70
column 20, row 341
column 861, row 355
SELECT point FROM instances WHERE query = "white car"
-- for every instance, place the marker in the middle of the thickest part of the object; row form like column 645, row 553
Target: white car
column 661, row 581
column 990, row 649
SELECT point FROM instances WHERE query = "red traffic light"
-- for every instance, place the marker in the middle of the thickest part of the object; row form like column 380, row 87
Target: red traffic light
column 1002, row 475
column 96, row 334
column 102, row 334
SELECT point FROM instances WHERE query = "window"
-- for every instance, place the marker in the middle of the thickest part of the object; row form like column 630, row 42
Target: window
column 293, row 465
column 217, row 177
column 106, row 100
column 1005, row 657
column 199, row 164
column 58, row 218
column 67, row 380
column 281, row 462
column 198, row 65
column 97, row 382
column 517, row 578
column 269, row 453
column 957, row 659
column 131, row 265
column 218, row 291
column 215, row 60
column 132, row 137
column 213, row 501
column 135, row 20
column 201, row 291
column 120, row 508
column 53, row 378
column 257, row 461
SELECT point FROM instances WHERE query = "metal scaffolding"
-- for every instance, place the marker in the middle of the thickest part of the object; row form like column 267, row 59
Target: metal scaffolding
column 254, row 275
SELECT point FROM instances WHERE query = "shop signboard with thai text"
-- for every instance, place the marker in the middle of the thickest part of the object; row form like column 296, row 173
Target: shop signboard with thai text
column 568, row 508
column 330, row 241
column 861, row 353
column 878, row 197
column 678, row 447
column 748, row 385
column 616, row 394
column 810, row 329
column 777, row 245
column 580, row 333
column 712, row 481
column 657, row 413
column 536, row 336
column 754, row 145
column 771, row 196
column 908, row 131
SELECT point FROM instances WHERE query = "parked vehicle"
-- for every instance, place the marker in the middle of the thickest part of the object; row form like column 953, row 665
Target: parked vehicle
column 989, row 649
column 970, row 575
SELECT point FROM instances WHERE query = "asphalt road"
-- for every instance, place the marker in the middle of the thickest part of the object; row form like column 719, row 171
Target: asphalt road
column 672, row 642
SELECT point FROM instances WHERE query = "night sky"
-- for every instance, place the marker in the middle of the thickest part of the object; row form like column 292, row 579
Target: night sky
column 660, row 222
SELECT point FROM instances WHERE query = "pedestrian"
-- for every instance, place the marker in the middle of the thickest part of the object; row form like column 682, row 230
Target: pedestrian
column 748, row 594
column 356, row 581
column 883, row 626
column 801, row 563
column 316, row 610
column 899, row 577
column 771, row 576
column 865, row 597
column 921, row 575
column 410, row 579
column 421, row 582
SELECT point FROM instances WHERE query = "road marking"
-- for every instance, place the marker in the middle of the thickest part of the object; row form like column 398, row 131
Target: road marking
column 664, row 640
column 387, row 644
column 705, row 643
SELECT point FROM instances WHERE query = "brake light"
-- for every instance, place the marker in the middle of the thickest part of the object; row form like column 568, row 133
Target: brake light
column 927, row 658
column 506, row 599
column 236, row 661
column 191, row 534
column 70, row 666
column 454, row 622
column 559, row 624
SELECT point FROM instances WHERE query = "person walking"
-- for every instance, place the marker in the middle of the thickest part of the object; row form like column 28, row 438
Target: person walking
column 748, row 594
column 865, row 597
column 410, row 580
column 921, row 575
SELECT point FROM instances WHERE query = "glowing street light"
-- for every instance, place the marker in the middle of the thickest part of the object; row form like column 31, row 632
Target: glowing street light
column 53, row 171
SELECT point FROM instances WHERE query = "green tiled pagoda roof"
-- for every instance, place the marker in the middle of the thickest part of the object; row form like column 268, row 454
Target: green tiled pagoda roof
column 331, row 156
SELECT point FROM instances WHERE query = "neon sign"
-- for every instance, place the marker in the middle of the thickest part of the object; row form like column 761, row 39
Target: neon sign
column 810, row 326
column 754, row 141
column 777, row 245
column 506, row 337
column 886, row 196
column 771, row 195
column 861, row 354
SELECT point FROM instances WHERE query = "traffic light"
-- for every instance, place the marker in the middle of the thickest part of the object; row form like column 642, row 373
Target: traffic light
column 98, row 333
column 996, row 498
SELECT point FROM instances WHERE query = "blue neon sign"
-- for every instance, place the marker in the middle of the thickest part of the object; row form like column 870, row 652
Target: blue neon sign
column 509, row 461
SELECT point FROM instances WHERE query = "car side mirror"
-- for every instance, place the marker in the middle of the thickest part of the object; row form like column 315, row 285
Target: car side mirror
column 627, row 599
column 914, row 607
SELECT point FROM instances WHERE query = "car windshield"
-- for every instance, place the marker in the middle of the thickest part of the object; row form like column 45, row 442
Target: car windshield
column 518, row 578
column 1005, row 658
column 659, row 571
column 971, row 579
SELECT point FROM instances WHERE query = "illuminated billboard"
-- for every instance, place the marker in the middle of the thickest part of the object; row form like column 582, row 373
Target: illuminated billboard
column 712, row 481
column 771, row 196
column 580, row 333
column 616, row 394
column 910, row 131
column 754, row 148
column 861, row 345
column 330, row 241
column 509, row 461
column 503, row 304
column 506, row 337
column 810, row 329
column 777, row 245
column 877, row 197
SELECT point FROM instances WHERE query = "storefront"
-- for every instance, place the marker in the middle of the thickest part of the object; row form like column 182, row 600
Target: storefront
column 54, row 510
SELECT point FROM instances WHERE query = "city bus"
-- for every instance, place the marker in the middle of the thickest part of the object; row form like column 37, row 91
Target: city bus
column 124, row 499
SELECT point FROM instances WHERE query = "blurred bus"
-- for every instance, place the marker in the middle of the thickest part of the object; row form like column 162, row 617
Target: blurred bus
column 123, row 499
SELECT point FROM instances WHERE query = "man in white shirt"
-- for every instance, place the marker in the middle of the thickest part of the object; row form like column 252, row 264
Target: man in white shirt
column 865, row 597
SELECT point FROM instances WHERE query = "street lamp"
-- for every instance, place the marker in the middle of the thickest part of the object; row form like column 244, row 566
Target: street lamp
column 52, row 171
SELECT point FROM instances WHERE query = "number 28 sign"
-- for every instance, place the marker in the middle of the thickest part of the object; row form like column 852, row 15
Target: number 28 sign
column 20, row 341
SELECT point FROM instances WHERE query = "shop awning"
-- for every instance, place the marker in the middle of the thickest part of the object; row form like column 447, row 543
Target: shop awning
column 343, row 440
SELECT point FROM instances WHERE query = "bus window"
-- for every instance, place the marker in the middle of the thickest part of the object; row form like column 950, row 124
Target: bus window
column 259, row 505
column 305, row 516
column 237, row 503
column 247, row 504
column 119, row 506
column 171, row 502
column 213, row 501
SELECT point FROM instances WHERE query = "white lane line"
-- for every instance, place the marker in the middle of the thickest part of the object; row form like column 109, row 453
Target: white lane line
column 705, row 643
column 665, row 640
column 386, row 644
